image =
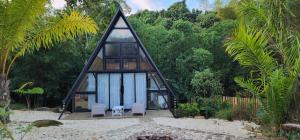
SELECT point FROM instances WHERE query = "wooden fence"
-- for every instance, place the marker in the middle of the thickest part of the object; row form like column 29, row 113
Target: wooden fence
column 239, row 101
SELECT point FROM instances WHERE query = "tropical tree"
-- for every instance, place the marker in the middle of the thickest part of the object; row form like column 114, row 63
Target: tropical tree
column 206, row 84
column 266, row 41
column 26, row 26
column 24, row 90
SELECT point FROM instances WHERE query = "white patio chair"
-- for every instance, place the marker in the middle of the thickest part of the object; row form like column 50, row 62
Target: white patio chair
column 138, row 108
column 98, row 109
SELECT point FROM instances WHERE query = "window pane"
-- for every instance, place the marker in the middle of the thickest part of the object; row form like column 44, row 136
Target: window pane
column 129, row 64
column 121, row 23
column 112, row 50
column 155, row 82
column 81, row 102
column 157, row 101
column 113, row 64
column 129, row 49
column 144, row 63
column 84, row 102
column 97, row 65
column 87, row 84
column 121, row 35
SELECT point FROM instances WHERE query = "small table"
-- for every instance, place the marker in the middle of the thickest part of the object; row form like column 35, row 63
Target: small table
column 117, row 111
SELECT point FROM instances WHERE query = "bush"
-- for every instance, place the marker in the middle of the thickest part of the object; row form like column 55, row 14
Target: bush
column 209, row 106
column 206, row 84
column 17, row 106
column 225, row 114
column 290, row 135
column 4, row 115
column 188, row 110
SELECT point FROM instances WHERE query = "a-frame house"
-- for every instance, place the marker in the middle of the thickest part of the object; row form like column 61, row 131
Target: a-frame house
column 120, row 71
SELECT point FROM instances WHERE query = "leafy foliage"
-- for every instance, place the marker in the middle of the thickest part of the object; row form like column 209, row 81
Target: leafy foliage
column 210, row 106
column 265, row 42
column 5, row 132
column 188, row 110
column 21, row 129
column 207, row 20
column 27, row 92
column 25, row 27
column 206, row 84
column 35, row 90
column 24, row 129
column 180, row 42
column 25, row 32
column 178, row 11
column 182, row 45
column 225, row 114
column 4, row 113
column 60, row 62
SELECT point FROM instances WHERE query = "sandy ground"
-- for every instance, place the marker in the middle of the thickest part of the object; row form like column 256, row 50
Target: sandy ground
column 130, row 128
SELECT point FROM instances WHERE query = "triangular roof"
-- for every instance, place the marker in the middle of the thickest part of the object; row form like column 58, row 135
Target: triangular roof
column 117, row 16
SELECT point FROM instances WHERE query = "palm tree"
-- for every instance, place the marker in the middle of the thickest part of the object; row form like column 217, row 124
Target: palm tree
column 266, row 42
column 26, row 26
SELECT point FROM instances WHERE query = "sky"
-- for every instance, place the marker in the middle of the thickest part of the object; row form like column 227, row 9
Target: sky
column 154, row 5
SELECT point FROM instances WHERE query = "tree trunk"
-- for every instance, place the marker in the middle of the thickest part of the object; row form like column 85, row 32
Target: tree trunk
column 4, row 97
column 28, row 101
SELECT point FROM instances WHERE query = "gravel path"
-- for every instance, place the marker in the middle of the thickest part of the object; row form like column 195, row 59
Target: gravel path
column 130, row 128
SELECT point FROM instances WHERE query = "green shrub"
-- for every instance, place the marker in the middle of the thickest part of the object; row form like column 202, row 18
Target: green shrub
column 4, row 115
column 209, row 106
column 206, row 84
column 225, row 114
column 263, row 116
column 290, row 135
column 17, row 106
column 188, row 110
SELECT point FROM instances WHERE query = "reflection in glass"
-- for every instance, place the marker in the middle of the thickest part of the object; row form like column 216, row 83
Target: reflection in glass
column 112, row 50
column 87, row 84
column 121, row 23
column 120, row 35
column 144, row 63
column 97, row 65
column 113, row 64
column 157, row 101
column 129, row 49
column 81, row 102
column 129, row 64
column 155, row 82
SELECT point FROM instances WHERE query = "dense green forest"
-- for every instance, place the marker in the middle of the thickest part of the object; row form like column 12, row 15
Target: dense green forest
column 241, row 48
column 183, row 44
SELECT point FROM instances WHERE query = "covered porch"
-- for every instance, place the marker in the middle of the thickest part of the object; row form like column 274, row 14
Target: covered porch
column 108, row 115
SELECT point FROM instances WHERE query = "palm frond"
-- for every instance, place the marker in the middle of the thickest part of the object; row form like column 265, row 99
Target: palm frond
column 248, row 47
column 2, row 10
column 252, row 12
column 23, row 90
column 20, row 16
column 59, row 29
column 279, row 91
column 35, row 90
column 249, row 85
column 292, row 54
